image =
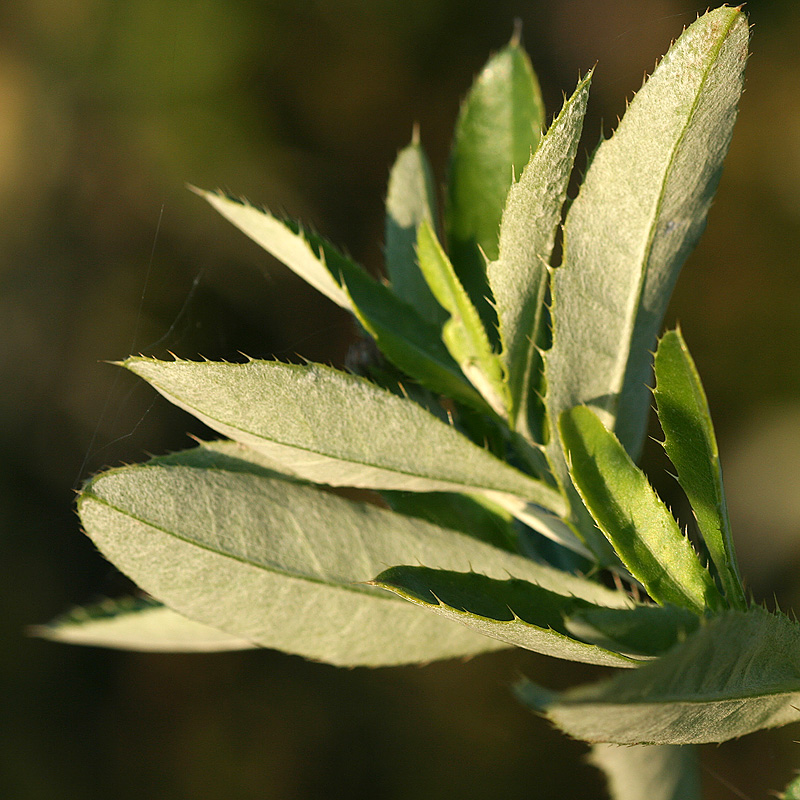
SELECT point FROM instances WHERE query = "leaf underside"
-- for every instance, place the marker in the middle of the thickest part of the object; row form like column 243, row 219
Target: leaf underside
column 518, row 277
column 665, row 772
column 738, row 673
column 330, row 427
column 639, row 212
column 283, row 565
column 138, row 624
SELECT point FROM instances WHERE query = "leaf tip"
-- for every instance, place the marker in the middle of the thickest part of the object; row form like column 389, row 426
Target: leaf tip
column 516, row 35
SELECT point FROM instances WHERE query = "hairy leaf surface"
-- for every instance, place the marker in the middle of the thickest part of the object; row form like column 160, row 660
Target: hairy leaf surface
column 330, row 427
column 512, row 610
column 283, row 565
column 284, row 241
column 519, row 276
column 737, row 674
column 633, row 518
column 639, row 212
column 692, row 447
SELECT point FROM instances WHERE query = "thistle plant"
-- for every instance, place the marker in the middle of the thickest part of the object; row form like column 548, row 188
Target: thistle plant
column 495, row 422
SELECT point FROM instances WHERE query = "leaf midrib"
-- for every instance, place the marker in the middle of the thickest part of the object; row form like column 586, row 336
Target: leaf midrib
column 467, row 486
column 349, row 587
column 652, row 234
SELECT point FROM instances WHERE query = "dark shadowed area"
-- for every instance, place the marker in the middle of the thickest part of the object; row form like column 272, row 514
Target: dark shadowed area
column 107, row 110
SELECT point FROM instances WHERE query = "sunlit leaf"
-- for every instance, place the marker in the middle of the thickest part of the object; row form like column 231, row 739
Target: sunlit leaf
column 498, row 128
column 512, row 610
column 639, row 212
column 283, row 565
column 634, row 519
column 519, row 276
column 135, row 624
column 738, row 673
column 281, row 239
column 327, row 426
column 410, row 199
column 692, row 447
column 464, row 332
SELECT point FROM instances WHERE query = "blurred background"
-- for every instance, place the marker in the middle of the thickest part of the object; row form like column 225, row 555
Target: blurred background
column 107, row 110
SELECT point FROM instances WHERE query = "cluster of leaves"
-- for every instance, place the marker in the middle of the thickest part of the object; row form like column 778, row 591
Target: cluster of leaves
column 496, row 425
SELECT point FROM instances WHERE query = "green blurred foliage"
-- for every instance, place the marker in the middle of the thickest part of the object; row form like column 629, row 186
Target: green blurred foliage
column 107, row 109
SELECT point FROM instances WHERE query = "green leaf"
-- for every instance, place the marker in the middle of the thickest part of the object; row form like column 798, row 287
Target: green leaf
column 282, row 565
column 512, row 610
column 639, row 212
column 223, row 454
column 463, row 333
column 640, row 631
column 283, row 240
column 692, row 447
column 643, row 772
column 330, row 427
column 408, row 340
column 737, row 674
column 633, row 518
column 548, row 524
column 498, row 128
column 518, row 277
column 471, row 514
column 410, row 200
column 137, row 624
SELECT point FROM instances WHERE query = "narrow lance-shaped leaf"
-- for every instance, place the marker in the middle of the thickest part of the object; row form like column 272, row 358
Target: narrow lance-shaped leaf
column 692, row 447
column 138, row 624
column 410, row 200
column 511, row 610
column 737, row 674
column 330, row 427
column 464, row 333
column 282, row 565
column 639, row 212
column 519, row 276
column 633, row 518
column 284, row 241
column 409, row 341
column 654, row 772
column 646, row 630
column 498, row 128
